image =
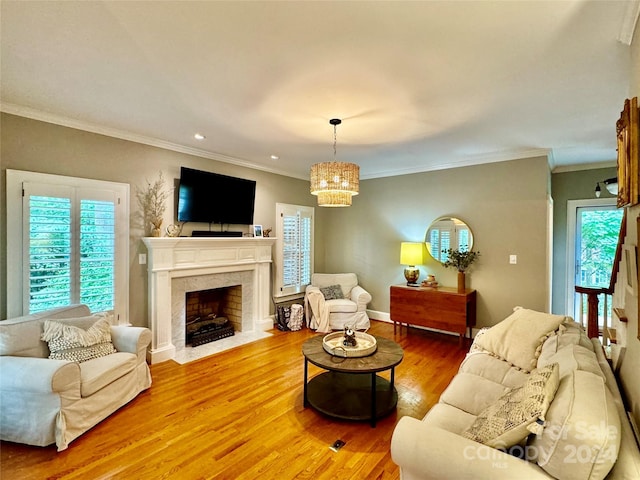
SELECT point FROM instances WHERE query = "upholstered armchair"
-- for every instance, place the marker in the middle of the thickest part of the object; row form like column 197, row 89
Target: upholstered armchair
column 47, row 400
column 335, row 300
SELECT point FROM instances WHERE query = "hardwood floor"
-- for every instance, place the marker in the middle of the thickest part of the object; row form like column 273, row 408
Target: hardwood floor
column 239, row 415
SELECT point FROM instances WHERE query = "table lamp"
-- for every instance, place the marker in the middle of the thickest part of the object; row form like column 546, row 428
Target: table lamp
column 412, row 254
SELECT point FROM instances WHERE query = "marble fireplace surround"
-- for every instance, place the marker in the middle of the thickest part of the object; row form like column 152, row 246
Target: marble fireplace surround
column 178, row 265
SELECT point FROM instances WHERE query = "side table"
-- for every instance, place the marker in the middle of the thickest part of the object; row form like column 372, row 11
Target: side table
column 350, row 388
column 442, row 308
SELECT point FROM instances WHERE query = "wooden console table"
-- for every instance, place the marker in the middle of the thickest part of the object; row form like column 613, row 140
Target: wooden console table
column 442, row 308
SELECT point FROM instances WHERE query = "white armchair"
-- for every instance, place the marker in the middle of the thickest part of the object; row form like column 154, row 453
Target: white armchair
column 45, row 401
column 350, row 310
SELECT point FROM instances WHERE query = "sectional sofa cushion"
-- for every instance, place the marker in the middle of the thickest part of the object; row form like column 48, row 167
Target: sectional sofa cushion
column 485, row 365
column 518, row 338
column 581, row 438
column 569, row 333
column 514, row 416
column 448, row 418
column 472, row 393
column 573, row 357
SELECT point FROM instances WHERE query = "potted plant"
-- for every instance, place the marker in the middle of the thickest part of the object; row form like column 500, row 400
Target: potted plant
column 461, row 260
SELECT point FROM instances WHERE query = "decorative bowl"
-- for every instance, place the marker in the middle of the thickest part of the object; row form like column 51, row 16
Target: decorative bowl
column 366, row 345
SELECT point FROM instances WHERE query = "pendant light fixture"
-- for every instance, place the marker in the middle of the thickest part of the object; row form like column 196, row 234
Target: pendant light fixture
column 611, row 184
column 334, row 183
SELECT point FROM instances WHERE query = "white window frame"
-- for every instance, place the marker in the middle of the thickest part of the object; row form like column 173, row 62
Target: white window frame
column 572, row 210
column 16, row 283
column 279, row 291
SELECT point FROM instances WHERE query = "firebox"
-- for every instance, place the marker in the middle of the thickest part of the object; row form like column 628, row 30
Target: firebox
column 212, row 314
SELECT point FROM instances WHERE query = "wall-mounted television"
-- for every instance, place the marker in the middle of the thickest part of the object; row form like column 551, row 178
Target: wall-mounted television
column 209, row 197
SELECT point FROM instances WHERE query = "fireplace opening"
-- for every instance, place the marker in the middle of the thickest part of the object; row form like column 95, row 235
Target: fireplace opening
column 212, row 314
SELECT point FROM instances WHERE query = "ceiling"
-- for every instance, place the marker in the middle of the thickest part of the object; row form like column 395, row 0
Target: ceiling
column 419, row 85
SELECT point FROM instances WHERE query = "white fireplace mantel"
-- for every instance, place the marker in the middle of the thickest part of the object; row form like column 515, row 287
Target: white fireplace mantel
column 170, row 257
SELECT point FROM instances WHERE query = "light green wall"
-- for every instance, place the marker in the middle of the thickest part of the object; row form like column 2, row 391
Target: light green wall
column 42, row 147
column 505, row 205
column 567, row 186
column 364, row 238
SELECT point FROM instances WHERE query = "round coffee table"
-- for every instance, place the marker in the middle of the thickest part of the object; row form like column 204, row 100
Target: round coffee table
column 350, row 388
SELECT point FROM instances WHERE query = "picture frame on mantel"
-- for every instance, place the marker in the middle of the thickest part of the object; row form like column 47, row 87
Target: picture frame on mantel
column 257, row 230
column 628, row 138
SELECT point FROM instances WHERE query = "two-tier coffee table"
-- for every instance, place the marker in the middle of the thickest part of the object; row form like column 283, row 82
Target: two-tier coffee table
column 350, row 388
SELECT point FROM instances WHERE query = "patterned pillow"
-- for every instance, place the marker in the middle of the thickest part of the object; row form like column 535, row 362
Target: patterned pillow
column 332, row 292
column 67, row 342
column 518, row 412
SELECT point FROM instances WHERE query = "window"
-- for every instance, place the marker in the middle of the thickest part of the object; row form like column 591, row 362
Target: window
column 294, row 249
column 592, row 237
column 70, row 244
column 445, row 235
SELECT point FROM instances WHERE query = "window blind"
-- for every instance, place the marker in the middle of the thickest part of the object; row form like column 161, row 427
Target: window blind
column 294, row 255
column 97, row 254
column 49, row 252
column 70, row 248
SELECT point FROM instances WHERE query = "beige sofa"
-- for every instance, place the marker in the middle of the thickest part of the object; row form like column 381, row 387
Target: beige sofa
column 45, row 401
column 581, row 433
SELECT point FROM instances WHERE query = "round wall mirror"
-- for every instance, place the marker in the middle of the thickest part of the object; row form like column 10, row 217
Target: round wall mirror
column 446, row 233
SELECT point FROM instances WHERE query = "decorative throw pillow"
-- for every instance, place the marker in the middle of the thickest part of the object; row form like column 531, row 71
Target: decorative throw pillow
column 518, row 338
column 518, row 412
column 67, row 342
column 332, row 292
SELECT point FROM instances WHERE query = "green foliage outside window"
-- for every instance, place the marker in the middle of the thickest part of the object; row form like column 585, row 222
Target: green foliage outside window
column 599, row 232
column 62, row 271
column 598, row 243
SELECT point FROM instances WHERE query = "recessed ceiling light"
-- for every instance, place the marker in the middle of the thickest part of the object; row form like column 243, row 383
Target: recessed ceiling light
column 199, row 136
column 275, row 157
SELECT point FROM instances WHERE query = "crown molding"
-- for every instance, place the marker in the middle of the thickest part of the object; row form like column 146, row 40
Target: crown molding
column 465, row 162
column 472, row 160
column 584, row 166
column 629, row 22
column 47, row 117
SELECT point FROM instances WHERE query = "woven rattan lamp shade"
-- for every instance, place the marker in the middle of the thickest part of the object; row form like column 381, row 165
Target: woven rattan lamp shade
column 334, row 199
column 335, row 183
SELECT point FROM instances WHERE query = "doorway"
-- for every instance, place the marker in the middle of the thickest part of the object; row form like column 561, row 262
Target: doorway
column 592, row 237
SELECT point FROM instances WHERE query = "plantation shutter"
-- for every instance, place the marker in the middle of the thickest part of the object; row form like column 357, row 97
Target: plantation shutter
column 463, row 239
column 69, row 247
column 48, row 251
column 445, row 244
column 294, row 256
column 435, row 243
column 97, row 253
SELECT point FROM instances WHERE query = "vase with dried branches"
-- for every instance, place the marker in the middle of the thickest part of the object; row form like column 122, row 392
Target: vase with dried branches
column 152, row 203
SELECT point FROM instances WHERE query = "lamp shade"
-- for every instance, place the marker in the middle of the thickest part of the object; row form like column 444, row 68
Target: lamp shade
column 611, row 184
column 412, row 253
column 335, row 183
